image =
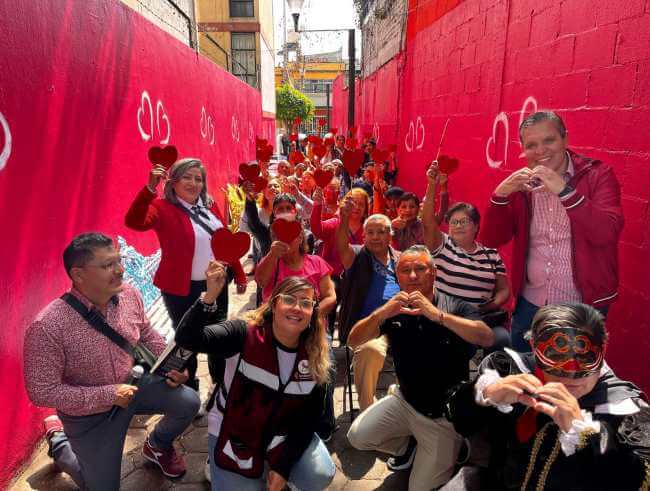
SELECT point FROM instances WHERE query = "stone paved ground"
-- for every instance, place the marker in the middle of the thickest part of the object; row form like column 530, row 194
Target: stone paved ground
column 355, row 470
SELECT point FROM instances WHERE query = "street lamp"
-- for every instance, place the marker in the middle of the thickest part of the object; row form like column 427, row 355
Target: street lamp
column 295, row 6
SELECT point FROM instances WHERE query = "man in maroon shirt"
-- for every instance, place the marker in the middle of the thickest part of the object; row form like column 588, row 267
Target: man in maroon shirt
column 72, row 367
column 563, row 214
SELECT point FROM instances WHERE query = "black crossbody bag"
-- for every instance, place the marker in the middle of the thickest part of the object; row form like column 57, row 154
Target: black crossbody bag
column 140, row 353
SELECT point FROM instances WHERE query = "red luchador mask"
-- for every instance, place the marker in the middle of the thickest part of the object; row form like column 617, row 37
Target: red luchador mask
column 568, row 352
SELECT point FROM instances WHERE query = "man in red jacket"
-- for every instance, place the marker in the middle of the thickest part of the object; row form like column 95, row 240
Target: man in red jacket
column 563, row 214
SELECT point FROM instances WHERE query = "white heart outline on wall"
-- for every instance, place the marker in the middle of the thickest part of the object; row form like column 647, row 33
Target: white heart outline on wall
column 412, row 140
column 419, row 125
column 6, row 150
column 410, row 135
column 206, row 126
column 160, row 108
column 234, row 128
column 502, row 118
column 375, row 132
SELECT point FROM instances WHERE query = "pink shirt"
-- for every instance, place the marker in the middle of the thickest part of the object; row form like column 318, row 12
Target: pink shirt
column 549, row 268
column 73, row 368
column 314, row 268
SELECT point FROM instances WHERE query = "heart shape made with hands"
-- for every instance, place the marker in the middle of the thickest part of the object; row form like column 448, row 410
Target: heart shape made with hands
column 322, row 177
column 264, row 153
column 249, row 171
column 163, row 156
column 229, row 247
column 353, row 160
column 379, row 156
column 447, row 164
column 259, row 184
column 286, row 230
column 319, row 151
column 296, row 157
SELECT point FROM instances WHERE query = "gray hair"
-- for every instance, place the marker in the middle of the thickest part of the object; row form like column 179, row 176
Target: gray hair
column 378, row 217
column 573, row 315
column 540, row 116
column 177, row 171
column 420, row 249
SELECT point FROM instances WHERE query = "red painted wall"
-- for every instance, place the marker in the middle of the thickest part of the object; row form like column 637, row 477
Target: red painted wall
column 483, row 65
column 87, row 87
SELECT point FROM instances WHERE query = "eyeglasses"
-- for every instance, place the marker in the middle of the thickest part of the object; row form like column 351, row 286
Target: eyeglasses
column 291, row 301
column 460, row 223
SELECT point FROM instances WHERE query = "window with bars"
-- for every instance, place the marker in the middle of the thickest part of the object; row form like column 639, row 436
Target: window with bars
column 243, row 57
column 242, row 8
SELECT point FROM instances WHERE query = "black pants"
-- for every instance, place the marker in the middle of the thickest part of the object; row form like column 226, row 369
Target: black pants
column 177, row 306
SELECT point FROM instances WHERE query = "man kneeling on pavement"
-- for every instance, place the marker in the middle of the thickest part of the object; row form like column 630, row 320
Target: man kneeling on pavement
column 433, row 337
column 74, row 368
column 557, row 418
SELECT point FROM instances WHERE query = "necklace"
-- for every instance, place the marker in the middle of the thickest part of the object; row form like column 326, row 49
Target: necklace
column 539, row 439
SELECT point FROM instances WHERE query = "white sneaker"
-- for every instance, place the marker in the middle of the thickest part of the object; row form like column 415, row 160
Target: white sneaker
column 206, row 470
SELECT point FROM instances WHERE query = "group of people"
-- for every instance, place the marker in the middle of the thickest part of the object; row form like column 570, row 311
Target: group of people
column 391, row 275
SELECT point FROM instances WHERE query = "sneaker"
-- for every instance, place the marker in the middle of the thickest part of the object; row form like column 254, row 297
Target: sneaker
column 206, row 470
column 405, row 461
column 171, row 464
column 52, row 425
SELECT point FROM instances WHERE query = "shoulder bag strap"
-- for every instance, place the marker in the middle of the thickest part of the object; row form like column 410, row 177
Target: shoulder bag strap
column 195, row 218
column 95, row 320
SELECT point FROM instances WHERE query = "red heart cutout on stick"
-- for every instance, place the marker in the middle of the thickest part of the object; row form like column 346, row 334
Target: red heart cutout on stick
column 314, row 139
column 264, row 153
column 447, row 165
column 229, row 247
column 351, row 143
column 297, row 121
column 379, row 156
column 319, row 151
column 322, row 122
column 353, row 130
column 260, row 142
column 293, row 137
column 352, row 160
column 163, row 156
column 392, row 147
column 259, row 184
column 329, row 141
column 286, row 230
column 296, row 157
column 249, row 171
column 322, row 177
column 333, row 131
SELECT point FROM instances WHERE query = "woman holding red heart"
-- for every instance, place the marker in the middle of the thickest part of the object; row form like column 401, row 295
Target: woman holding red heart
column 184, row 224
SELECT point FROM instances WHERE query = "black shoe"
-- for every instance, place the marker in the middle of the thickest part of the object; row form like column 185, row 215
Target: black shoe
column 405, row 461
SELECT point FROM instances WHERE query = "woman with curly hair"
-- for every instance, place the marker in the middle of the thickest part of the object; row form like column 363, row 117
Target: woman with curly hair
column 267, row 409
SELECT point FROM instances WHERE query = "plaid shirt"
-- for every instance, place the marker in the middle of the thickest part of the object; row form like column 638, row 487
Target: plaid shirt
column 73, row 368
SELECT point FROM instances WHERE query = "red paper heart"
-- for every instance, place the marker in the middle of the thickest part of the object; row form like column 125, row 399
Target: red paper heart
column 264, row 153
column 229, row 247
column 297, row 121
column 296, row 157
column 293, row 137
column 353, row 130
column 352, row 160
column 333, row 131
column 447, row 165
column 286, row 230
column 392, row 147
column 259, row 184
column 260, row 142
column 249, row 171
column 329, row 141
column 163, row 156
column 322, row 177
column 351, row 143
column 379, row 156
column 367, row 136
column 319, row 151
column 322, row 122
column 314, row 139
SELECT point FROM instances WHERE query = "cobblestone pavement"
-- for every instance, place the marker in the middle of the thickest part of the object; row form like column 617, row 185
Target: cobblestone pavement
column 355, row 470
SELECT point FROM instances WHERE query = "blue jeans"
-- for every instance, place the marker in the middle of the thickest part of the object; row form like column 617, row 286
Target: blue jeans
column 522, row 319
column 313, row 471
column 90, row 447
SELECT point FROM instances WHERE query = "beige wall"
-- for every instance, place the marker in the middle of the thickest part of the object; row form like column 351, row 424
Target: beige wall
column 383, row 33
column 165, row 16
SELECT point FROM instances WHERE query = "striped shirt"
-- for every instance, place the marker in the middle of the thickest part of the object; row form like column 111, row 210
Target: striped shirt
column 468, row 276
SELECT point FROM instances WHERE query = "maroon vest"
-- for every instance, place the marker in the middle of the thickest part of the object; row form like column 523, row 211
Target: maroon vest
column 260, row 409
